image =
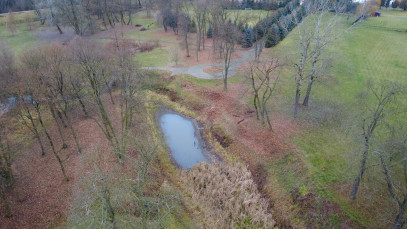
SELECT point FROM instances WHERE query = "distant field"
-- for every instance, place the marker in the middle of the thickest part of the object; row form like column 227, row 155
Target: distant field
column 396, row 12
column 252, row 16
column 375, row 49
column 19, row 17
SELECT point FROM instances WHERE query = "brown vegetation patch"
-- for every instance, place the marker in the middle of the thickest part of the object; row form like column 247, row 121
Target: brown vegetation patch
column 221, row 137
column 172, row 95
column 212, row 70
column 147, row 46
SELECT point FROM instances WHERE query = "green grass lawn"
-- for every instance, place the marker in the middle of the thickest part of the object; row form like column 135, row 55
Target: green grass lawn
column 396, row 12
column 252, row 16
column 20, row 41
column 374, row 49
column 18, row 16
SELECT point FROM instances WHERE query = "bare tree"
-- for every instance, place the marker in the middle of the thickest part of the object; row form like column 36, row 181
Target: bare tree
column 24, row 112
column 316, row 34
column 184, row 21
column 129, row 83
column 6, row 174
column 200, row 13
column 94, row 68
column 74, row 13
column 264, row 78
column 229, row 37
column 383, row 94
column 393, row 160
column 174, row 56
column 120, row 199
column 55, row 71
column 34, row 89
column 7, row 68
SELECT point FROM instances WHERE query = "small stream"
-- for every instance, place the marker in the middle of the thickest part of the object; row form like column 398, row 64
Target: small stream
column 181, row 136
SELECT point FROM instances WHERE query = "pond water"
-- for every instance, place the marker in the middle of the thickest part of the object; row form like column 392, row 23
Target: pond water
column 180, row 134
column 4, row 107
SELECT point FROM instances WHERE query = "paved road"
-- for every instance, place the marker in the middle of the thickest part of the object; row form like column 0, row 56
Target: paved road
column 394, row 16
column 17, row 12
column 197, row 70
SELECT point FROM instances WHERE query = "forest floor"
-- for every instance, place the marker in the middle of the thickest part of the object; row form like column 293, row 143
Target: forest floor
column 41, row 197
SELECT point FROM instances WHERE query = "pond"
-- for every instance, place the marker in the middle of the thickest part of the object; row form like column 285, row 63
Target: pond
column 181, row 136
column 6, row 106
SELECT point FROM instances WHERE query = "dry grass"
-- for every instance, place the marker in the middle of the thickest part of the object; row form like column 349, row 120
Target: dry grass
column 227, row 197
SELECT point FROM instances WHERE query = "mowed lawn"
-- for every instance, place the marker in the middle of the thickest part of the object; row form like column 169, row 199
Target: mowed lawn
column 331, row 142
column 391, row 11
column 22, row 39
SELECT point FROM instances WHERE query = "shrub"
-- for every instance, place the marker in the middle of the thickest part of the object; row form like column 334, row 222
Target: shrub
column 226, row 196
column 147, row 46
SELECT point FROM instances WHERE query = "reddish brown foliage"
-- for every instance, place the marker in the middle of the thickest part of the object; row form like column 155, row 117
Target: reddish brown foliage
column 41, row 197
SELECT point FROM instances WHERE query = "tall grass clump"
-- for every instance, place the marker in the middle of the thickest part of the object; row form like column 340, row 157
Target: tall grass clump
column 225, row 196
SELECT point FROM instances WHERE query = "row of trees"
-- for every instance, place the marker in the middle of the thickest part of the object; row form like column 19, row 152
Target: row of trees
column 58, row 82
column 399, row 4
column 83, row 16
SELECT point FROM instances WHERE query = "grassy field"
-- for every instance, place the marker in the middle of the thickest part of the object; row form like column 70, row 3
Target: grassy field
column 330, row 144
column 252, row 16
column 22, row 39
column 395, row 12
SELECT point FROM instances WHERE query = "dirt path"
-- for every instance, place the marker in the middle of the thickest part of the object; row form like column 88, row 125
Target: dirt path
column 198, row 70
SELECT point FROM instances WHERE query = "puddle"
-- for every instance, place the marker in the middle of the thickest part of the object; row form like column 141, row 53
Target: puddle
column 181, row 136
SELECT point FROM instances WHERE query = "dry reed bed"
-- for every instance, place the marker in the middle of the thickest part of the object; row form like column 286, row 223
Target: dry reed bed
column 225, row 196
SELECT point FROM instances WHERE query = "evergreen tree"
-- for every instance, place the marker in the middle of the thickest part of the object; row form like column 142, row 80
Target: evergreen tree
column 248, row 38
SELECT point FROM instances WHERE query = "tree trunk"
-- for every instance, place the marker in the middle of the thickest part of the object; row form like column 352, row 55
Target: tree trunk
column 72, row 131
column 398, row 223
column 199, row 36
column 52, row 109
column 83, row 107
column 36, row 133
column 255, row 105
column 268, row 120
column 297, row 98
column 52, row 144
column 59, row 28
column 361, row 171
column 186, row 42
column 306, row 99
column 5, row 203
